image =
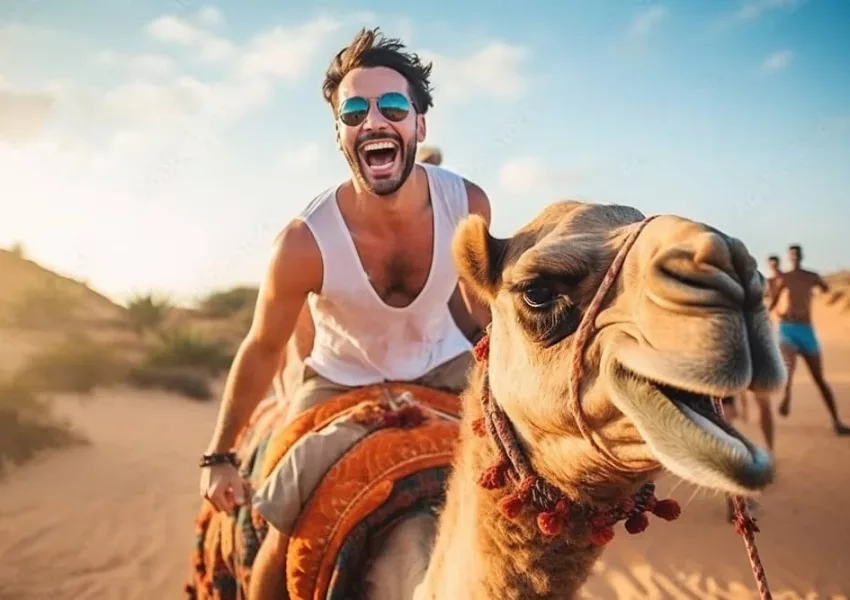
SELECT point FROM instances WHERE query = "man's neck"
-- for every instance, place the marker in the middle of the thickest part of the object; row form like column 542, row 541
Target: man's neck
column 410, row 198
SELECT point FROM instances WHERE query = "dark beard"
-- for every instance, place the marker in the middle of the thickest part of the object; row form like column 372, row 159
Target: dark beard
column 383, row 187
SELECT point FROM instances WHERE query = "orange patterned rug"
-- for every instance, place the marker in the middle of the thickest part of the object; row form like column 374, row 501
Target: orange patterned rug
column 401, row 467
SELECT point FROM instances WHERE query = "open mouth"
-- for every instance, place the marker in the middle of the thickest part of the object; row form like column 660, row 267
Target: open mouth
column 688, row 437
column 379, row 157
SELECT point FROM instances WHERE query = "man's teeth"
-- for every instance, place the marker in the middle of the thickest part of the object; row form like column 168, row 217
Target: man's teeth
column 378, row 146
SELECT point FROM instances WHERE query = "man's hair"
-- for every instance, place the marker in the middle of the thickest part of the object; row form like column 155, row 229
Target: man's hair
column 773, row 258
column 371, row 49
column 796, row 247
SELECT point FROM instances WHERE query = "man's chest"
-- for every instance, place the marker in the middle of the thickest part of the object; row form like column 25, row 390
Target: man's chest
column 799, row 285
column 397, row 264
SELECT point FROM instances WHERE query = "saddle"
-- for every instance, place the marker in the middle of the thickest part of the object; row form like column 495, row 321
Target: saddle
column 399, row 467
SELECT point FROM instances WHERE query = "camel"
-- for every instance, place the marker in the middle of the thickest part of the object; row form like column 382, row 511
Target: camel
column 611, row 335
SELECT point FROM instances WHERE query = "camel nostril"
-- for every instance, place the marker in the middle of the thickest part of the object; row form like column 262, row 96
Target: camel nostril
column 699, row 272
column 712, row 250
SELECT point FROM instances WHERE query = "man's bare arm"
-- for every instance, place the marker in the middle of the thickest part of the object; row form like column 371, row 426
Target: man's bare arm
column 294, row 271
column 774, row 297
column 823, row 285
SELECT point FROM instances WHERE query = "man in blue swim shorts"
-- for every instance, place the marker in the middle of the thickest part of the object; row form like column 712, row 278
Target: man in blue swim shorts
column 792, row 297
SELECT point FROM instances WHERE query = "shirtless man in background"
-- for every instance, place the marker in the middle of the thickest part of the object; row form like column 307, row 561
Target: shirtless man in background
column 739, row 406
column 796, row 333
column 774, row 278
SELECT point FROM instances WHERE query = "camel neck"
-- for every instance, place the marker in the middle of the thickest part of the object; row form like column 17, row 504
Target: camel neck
column 479, row 554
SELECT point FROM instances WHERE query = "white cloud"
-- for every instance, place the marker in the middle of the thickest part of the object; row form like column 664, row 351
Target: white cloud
column 210, row 15
column 528, row 174
column 210, row 47
column 285, row 53
column 754, row 9
column 777, row 61
column 142, row 100
column 495, row 70
column 750, row 11
column 646, row 21
column 246, row 83
column 144, row 64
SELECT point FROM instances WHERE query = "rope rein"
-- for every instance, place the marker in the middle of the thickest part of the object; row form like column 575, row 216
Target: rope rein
column 556, row 513
column 746, row 527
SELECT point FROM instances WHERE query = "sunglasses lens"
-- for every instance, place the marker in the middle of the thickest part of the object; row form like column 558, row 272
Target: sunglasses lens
column 353, row 111
column 394, row 106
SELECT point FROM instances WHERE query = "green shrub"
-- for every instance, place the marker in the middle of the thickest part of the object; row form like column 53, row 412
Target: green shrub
column 27, row 425
column 77, row 364
column 147, row 312
column 229, row 302
column 187, row 382
column 183, row 348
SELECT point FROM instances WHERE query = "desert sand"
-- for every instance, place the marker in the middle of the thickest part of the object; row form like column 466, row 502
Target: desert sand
column 114, row 520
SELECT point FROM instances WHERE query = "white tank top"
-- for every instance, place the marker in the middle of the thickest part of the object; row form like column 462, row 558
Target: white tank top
column 361, row 340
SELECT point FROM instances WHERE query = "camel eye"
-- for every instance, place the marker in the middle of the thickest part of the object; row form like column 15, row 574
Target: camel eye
column 539, row 296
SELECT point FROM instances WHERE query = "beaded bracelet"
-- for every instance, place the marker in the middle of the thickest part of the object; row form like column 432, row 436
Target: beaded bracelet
column 211, row 460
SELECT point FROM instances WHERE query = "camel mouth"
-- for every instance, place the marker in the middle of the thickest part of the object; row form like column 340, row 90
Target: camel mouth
column 688, row 437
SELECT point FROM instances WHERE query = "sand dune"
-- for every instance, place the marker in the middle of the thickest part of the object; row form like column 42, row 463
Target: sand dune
column 114, row 520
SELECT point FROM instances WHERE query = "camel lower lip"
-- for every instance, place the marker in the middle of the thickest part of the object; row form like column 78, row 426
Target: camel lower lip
column 688, row 437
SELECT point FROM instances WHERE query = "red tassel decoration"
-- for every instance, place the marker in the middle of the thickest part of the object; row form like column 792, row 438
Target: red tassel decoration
column 479, row 428
column 637, row 523
column 550, row 523
column 602, row 535
column 512, row 505
column 627, row 505
column 668, row 510
column 482, row 348
column 600, row 521
column 495, row 477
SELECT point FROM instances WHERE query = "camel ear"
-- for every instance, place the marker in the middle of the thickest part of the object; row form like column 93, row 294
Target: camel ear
column 478, row 256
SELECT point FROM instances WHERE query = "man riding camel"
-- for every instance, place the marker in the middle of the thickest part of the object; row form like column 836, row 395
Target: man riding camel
column 371, row 258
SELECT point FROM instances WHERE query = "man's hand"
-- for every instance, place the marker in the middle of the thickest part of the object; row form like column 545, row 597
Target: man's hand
column 224, row 487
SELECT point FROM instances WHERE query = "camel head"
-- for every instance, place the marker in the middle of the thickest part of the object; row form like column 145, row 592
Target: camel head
column 682, row 323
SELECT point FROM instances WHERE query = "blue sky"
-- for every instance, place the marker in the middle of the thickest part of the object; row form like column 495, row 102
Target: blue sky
column 161, row 145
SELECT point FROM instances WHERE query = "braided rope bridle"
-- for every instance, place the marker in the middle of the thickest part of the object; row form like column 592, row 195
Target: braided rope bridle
column 555, row 511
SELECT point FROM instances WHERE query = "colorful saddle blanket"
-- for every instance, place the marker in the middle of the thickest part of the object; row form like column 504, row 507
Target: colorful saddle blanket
column 399, row 466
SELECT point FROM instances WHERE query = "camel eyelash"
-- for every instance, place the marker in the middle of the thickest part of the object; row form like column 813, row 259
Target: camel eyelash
column 550, row 326
column 558, row 281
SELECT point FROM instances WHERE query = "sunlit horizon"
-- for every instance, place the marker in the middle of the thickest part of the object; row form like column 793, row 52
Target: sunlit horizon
column 161, row 148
